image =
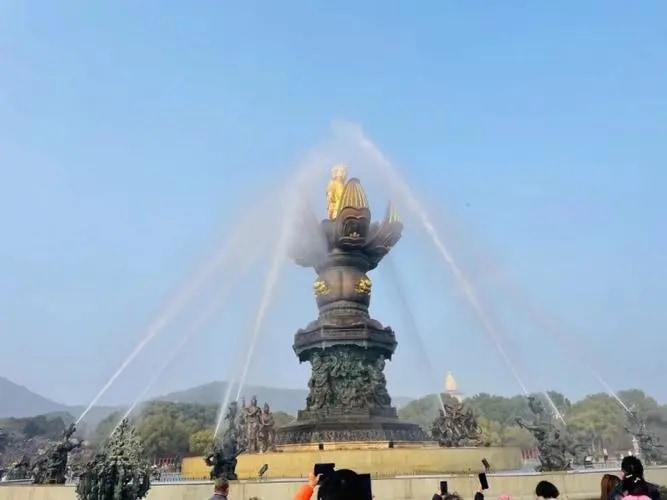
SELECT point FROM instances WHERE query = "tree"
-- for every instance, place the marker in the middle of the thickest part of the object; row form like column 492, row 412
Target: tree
column 201, row 441
column 119, row 472
column 48, row 426
column 105, row 428
column 598, row 420
column 281, row 418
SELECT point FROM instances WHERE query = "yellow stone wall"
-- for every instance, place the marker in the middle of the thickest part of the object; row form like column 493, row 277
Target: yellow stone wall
column 575, row 486
column 384, row 462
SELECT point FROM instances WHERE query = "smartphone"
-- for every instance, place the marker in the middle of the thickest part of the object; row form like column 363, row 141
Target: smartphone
column 483, row 482
column 323, row 469
column 443, row 488
column 365, row 482
column 486, row 464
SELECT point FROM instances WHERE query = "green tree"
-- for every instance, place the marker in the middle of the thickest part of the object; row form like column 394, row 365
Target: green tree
column 201, row 442
column 598, row 421
column 424, row 410
column 104, row 429
column 281, row 418
column 47, row 426
column 513, row 435
column 492, row 431
column 163, row 435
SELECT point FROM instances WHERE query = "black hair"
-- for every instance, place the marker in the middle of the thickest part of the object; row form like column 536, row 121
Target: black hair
column 632, row 466
column 343, row 484
column 545, row 489
column 634, row 485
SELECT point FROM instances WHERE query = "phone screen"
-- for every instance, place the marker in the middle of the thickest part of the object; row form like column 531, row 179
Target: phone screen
column 443, row 488
column 323, row 469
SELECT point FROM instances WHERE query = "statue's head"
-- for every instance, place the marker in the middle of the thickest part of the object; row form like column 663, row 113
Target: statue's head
column 339, row 172
column 266, row 408
column 253, row 401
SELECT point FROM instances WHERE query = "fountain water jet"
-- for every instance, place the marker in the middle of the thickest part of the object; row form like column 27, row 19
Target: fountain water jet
column 357, row 136
column 265, row 302
column 174, row 306
column 413, row 204
column 546, row 324
column 196, row 327
column 306, row 176
column 411, row 320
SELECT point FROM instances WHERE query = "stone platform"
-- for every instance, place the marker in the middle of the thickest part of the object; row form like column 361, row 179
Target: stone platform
column 352, row 426
column 376, row 457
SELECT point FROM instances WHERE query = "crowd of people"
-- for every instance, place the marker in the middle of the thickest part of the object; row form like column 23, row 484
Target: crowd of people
column 345, row 484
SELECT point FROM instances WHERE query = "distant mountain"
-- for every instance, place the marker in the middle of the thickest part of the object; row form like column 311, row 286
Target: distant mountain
column 287, row 400
column 19, row 401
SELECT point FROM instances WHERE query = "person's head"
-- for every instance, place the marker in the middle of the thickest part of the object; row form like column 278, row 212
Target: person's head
column 634, row 485
column 452, row 496
column 343, row 484
column 504, row 496
column 607, row 485
column 221, row 486
column 545, row 489
column 632, row 466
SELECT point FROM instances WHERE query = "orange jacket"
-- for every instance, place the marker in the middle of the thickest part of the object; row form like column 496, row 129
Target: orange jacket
column 304, row 493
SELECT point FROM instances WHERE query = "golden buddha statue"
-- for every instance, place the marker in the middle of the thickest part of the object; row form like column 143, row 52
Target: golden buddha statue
column 335, row 189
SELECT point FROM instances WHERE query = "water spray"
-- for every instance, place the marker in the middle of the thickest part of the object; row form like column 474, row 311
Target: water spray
column 167, row 314
column 306, row 175
column 412, row 321
column 413, row 204
column 196, row 327
column 545, row 324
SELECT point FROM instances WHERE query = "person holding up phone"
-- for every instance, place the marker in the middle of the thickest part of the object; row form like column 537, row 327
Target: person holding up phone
column 306, row 491
column 343, row 484
column 443, row 491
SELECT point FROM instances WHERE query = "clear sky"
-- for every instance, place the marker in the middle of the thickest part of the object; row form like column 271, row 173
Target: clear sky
column 133, row 134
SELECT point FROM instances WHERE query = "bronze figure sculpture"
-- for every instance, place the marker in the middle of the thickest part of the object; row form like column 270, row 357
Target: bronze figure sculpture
column 650, row 447
column 456, row 426
column 51, row 466
column 556, row 450
column 223, row 458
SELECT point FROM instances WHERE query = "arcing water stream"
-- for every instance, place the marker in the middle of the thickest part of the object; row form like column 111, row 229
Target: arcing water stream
column 398, row 186
column 413, row 329
column 179, row 301
column 287, row 228
column 196, row 327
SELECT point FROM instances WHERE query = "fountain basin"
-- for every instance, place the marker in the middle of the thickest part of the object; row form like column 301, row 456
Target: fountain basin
column 376, row 457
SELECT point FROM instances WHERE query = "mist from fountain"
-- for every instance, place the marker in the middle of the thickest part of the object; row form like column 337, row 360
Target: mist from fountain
column 291, row 203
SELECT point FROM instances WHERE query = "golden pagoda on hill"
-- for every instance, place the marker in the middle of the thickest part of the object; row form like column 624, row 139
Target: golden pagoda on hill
column 451, row 387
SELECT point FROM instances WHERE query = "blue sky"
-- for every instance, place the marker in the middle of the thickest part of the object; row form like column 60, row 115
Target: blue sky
column 134, row 134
